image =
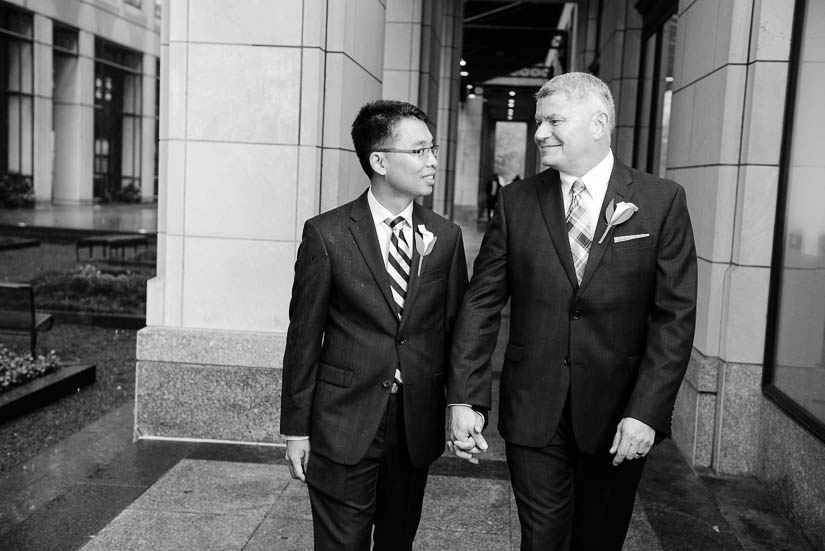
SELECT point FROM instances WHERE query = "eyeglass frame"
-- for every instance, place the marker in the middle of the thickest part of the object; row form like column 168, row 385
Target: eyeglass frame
column 421, row 152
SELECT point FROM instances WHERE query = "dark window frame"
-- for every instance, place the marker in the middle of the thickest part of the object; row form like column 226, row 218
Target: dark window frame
column 115, row 65
column 787, row 404
column 7, row 35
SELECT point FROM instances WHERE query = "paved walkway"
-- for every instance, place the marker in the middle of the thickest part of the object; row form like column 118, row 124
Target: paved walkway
column 99, row 491
column 109, row 218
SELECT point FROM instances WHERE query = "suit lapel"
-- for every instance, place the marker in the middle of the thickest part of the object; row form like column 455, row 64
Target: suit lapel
column 618, row 189
column 552, row 209
column 363, row 230
column 413, row 283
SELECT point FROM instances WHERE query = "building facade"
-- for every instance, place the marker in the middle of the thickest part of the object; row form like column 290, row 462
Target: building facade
column 78, row 102
column 255, row 101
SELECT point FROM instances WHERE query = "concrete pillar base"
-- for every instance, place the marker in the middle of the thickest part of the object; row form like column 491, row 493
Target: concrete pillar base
column 210, row 385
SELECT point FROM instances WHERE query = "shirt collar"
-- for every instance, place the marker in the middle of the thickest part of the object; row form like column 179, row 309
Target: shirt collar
column 380, row 213
column 595, row 181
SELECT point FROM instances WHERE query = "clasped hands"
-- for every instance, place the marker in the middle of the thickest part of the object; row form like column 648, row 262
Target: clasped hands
column 465, row 439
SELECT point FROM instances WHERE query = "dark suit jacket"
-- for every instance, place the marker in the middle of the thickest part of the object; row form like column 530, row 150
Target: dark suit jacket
column 618, row 344
column 345, row 341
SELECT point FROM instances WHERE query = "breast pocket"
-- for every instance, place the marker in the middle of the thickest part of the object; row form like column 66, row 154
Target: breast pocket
column 631, row 243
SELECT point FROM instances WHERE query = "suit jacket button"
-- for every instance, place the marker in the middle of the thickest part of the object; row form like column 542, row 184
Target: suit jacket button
column 402, row 340
column 576, row 315
column 566, row 361
column 386, row 384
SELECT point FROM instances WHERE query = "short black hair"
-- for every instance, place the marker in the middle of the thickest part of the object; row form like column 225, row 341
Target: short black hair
column 375, row 126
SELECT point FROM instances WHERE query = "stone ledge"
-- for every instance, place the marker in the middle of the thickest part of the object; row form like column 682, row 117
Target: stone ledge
column 208, row 402
column 47, row 388
column 210, row 347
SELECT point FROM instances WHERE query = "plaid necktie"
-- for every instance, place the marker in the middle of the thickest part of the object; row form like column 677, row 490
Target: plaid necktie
column 578, row 229
column 398, row 262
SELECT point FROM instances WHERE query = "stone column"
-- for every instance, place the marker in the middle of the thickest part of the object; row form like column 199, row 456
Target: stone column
column 148, row 138
column 619, row 68
column 402, row 50
column 587, row 28
column 43, row 151
column 725, row 148
column 448, row 96
column 74, row 125
column 256, row 104
column 468, row 177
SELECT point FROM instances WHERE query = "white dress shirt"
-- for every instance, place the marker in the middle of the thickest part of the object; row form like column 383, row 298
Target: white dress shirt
column 595, row 184
column 379, row 215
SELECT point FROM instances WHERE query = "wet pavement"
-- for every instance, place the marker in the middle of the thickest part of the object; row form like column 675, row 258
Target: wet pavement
column 99, row 490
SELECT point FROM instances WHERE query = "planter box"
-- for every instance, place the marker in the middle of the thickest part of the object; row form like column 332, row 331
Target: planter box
column 45, row 389
column 112, row 321
column 9, row 243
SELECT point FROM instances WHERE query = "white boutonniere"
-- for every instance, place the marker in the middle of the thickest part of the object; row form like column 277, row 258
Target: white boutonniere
column 424, row 242
column 619, row 214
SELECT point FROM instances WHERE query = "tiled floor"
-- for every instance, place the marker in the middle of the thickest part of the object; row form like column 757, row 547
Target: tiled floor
column 99, row 491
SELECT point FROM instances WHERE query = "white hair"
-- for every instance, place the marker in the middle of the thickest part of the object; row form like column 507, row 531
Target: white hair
column 581, row 87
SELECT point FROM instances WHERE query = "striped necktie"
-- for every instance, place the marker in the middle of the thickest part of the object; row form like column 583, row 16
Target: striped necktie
column 578, row 229
column 398, row 262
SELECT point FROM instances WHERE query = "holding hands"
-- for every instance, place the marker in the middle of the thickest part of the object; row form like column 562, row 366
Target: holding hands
column 465, row 439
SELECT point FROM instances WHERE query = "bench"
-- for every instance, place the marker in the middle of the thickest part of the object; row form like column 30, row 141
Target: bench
column 17, row 313
column 110, row 244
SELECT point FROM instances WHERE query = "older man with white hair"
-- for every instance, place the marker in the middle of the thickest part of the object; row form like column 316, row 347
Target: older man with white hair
column 598, row 262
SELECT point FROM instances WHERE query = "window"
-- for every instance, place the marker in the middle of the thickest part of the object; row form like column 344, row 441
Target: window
column 16, row 93
column 118, row 100
column 655, row 86
column 795, row 345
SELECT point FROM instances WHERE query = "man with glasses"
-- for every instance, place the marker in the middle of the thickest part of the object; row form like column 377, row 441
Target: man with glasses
column 378, row 283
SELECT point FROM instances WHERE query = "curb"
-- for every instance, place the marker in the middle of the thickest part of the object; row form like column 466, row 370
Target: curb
column 45, row 389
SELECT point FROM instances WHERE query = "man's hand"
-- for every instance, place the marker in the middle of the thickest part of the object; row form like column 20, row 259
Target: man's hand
column 465, row 439
column 297, row 458
column 633, row 440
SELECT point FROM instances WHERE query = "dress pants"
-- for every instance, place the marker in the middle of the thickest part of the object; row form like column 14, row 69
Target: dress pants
column 383, row 489
column 570, row 500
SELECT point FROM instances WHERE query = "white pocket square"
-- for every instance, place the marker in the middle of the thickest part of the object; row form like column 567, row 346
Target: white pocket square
column 621, row 238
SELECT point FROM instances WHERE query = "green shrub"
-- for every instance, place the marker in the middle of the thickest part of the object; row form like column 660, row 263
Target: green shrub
column 16, row 191
column 90, row 288
column 130, row 193
column 16, row 370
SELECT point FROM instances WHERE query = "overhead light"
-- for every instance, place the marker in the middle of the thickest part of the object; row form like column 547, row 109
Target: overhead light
column 471, row 96
column 464, row 73
column 511, row 102
column 469, row 87
column 462, row 63
column 512, row 93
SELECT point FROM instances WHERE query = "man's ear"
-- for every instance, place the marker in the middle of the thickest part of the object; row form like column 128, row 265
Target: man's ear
column 377, row 163
column 600, row 125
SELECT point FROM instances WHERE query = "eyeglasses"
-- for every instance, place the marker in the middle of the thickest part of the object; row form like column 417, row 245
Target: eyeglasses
column 420, row 153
